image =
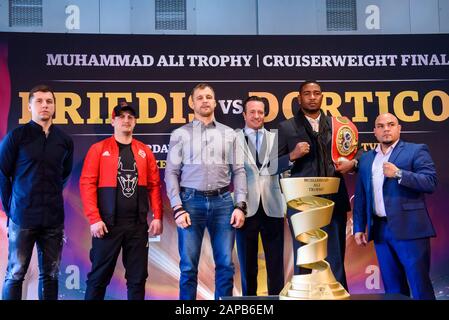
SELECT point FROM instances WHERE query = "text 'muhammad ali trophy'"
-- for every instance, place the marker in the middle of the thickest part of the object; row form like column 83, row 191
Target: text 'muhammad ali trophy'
column 314, row 213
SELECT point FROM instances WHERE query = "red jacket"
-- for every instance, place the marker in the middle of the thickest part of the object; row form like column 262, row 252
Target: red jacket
column 98, row 181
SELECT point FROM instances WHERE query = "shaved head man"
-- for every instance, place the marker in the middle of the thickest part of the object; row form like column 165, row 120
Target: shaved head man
column 390, row 209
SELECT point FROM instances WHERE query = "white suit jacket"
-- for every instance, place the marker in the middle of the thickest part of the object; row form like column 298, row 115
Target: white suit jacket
column 262, row 185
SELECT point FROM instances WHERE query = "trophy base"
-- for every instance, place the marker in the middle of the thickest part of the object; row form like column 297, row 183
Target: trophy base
column 319, row 291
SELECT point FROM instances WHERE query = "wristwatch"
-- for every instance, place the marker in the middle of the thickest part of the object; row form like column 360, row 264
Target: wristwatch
column 242, row 206
column 398, row 174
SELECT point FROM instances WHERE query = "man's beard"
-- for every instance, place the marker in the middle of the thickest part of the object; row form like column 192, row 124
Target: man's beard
column 206, row 113
column 308, row 111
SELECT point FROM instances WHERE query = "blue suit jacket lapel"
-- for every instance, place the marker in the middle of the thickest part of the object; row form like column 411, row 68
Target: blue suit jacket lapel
column 369, row 187
column 369, row 184
column 396, row 151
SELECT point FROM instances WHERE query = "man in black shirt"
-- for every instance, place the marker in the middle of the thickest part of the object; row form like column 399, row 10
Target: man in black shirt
column 126, row 199
column 35, row 162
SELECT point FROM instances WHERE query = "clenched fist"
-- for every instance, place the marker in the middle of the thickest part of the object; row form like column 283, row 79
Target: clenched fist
column 389, row 170
column 301, row 149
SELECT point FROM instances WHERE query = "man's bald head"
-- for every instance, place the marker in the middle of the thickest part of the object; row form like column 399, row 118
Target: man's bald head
column 387, row 115
column 387, row 129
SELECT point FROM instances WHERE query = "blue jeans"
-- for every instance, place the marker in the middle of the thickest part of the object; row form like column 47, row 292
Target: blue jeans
column 213, row 213
column 21, row 241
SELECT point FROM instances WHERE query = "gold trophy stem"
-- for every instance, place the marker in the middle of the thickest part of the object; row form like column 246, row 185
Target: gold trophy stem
column 313, row 213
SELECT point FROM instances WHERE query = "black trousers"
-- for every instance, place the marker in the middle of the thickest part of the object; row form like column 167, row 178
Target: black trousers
column 272, row 233
column 336, row 246
column 49, row 243
column 133, row 239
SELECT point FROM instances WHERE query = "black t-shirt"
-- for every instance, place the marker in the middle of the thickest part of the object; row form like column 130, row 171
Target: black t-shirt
column 126, row 200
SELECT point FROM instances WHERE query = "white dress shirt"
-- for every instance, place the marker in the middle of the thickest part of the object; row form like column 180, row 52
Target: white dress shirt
column 378, row 178
column 255, row 140
column 315, row 123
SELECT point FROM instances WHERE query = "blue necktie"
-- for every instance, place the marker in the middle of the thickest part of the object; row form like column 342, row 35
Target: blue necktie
column 257, row 141
column 258, row 163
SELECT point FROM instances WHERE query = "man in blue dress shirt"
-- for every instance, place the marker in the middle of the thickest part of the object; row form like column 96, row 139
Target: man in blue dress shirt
column 204, row 155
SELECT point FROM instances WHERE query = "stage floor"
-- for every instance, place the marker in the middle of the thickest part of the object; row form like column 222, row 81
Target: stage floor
column 378, row 296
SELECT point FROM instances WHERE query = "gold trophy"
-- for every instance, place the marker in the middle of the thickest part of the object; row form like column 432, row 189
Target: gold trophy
column 314, row 213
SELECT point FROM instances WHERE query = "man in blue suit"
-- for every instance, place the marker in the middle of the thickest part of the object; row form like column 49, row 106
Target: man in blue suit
column 390, row 205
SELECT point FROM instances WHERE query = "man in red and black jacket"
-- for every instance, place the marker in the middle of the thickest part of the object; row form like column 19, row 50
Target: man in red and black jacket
column 118, row 181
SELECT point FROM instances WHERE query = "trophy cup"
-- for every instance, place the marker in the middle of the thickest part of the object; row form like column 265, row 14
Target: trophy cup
column 314, row 213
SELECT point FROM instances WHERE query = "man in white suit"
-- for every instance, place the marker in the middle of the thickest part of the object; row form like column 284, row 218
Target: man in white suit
column 266, row 205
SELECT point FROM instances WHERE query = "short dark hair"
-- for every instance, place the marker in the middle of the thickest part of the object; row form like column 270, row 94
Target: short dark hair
column 252, row 98
column 41, row 88
column 302, row 85
column 201, row 86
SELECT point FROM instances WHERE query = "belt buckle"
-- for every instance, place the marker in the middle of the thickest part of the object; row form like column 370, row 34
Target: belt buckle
column 383, row 219
column 210, row 193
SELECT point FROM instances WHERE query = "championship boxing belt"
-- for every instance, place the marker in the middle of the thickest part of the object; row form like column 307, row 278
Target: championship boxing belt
column 345, row 138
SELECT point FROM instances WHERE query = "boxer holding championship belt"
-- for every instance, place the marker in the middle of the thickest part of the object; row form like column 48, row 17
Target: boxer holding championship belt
column 314, row 213
column 344, row 139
